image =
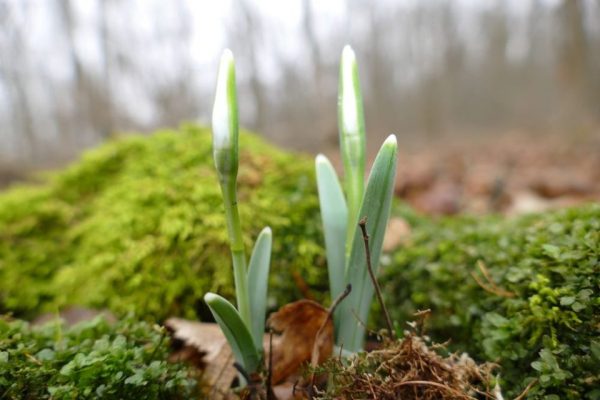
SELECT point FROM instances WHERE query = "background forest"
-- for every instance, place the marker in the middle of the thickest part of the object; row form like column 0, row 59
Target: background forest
column 73, row 73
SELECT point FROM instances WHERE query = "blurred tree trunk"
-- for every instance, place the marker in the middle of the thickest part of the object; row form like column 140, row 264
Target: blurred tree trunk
column 573, row 62
column 315, row 108
column 74, row 126
column 249, row 36
column 14, row 68
column 105, row 117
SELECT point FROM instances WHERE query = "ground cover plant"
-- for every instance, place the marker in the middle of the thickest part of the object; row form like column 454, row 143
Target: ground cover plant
column 90, row 360
column 142, row 215
column 539, row 311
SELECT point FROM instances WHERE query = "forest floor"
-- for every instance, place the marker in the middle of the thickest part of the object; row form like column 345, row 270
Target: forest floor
column 508, row 173
column 512, row 173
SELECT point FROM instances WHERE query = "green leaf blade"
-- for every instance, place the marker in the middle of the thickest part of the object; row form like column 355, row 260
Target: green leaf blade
column 258, row 282
column 352, row 137
column 376, row 207
column 334, row 214
column 237, row 334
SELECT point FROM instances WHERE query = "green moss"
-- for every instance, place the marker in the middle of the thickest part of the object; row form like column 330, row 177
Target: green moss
column 90, row 360
column 548, row 331
column 138, row 224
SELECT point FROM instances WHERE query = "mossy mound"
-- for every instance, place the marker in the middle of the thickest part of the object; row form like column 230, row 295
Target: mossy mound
column 138, row 225
column 539, row 313
column 90, row 360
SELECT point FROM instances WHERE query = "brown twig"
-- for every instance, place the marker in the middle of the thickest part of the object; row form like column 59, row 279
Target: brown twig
column 491, row 290
column 319, row 339
column 363, row 227
column 428, row 383
column 527, row 389
column 270, row 394
column 485, row 273
column 35, row 360
column 363, row 324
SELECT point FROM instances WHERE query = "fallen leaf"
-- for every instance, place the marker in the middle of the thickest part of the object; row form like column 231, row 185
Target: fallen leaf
column 298, row 324
column 285, row 391
column 205, row 346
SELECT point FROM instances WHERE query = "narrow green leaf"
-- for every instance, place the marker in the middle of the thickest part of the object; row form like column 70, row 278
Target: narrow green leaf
column 237, row 334
column 376, row 207
column 258, row 283
column 352, row 137
column 334, row 214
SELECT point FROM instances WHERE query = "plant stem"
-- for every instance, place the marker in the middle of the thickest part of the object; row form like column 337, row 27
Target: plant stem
column 355, row 192
column 237, row 250
column 363, row 227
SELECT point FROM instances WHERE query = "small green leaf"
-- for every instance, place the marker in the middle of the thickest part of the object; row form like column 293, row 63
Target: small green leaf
column 46, row 355
column 551, row 250
column 137, row 379
column 537, row 365
column 585, row 294
column 567, row 300
column 496, row 319
column 258, row 284
column 237, row 333
column 595, row 347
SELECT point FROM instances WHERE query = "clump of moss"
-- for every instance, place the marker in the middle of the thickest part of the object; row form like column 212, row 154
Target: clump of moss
column 138, row 224
column 540, row 313
column 90, row 360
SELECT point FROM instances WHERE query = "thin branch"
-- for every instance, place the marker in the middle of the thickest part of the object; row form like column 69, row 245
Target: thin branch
column 490, row 289
column 486, row 274
column 440, row 385
column 270, row 393
column 527, row 389
column 35, row 360
column 363, row 227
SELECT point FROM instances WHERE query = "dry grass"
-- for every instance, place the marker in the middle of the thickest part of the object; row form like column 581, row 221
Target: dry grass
column 409, row 368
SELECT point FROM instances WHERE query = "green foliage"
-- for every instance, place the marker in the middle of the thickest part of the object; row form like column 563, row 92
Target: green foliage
column 93, row 359
column 375, row 208
column 236, row 332
column 138, row 224
column 548, row 331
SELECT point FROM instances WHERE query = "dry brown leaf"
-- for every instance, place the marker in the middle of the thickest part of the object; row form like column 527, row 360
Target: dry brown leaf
column 298, row 324
column 285, row 391
column 205, row 346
